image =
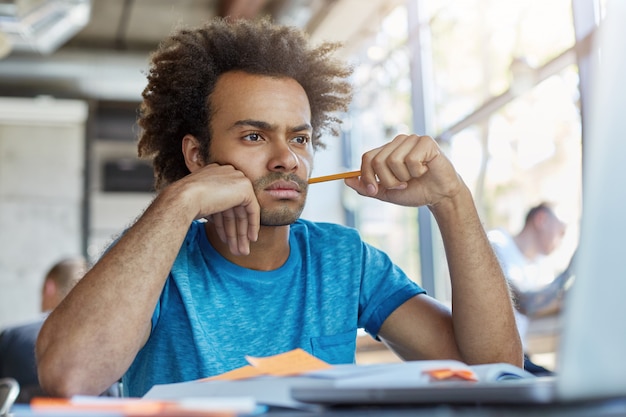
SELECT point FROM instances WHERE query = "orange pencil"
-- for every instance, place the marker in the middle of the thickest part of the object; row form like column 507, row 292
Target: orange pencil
column 332, row 177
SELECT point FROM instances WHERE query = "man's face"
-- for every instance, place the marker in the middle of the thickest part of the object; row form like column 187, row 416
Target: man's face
column 551, row 233
column 262, row 126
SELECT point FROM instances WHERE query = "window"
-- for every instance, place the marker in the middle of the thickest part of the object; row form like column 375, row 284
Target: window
column 504, row 105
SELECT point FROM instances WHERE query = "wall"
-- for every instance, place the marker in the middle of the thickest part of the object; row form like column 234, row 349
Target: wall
column 111, row 212
column 41, row 196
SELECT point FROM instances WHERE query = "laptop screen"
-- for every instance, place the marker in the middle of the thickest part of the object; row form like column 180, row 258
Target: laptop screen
column 591, row 355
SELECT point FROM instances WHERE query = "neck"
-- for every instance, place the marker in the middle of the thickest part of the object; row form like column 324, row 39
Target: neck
column 269, row 252
column 526, row 244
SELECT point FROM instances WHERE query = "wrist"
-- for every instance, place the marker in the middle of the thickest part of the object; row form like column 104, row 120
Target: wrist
column 456, row 206
column 177, row 199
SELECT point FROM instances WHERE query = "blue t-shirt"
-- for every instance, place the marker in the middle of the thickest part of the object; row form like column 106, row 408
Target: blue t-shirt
column 212, row 312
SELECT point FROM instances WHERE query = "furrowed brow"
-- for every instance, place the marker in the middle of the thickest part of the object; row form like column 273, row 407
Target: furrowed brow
column 254, row 123
column 259, row 124
column 303, row 127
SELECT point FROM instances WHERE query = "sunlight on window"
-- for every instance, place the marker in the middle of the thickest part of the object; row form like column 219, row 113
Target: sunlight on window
column 524, row 150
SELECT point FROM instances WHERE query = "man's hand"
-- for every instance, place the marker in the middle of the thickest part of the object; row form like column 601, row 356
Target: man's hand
column 411, row 171
column 225, row 196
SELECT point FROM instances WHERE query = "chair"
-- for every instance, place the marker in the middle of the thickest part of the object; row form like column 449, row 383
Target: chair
column 9, row 389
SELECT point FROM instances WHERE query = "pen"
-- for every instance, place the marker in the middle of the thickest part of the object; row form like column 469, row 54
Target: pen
column 332, row 177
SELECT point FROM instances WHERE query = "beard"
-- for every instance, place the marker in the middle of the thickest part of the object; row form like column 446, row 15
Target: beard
column 286, row 213
column 282, row 216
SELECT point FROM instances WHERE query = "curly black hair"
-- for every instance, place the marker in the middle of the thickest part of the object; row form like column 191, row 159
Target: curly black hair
column 186, row 66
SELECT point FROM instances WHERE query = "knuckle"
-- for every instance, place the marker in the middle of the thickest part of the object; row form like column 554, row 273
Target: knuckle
column 414, row 160
column 366, row 158
column 395, row 161
column 400, row 138
column 377, row 163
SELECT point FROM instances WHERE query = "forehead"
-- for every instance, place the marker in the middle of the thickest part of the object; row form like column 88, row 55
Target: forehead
column 239, row 95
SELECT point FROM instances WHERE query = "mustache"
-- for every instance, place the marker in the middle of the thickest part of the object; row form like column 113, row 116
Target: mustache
column 265, row 181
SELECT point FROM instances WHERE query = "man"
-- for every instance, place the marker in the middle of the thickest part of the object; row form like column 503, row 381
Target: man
column 520, row 256
column 231, row 116
column 17, row 344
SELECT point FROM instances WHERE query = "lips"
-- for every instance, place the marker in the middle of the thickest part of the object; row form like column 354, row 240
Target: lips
column 284, row 185
column 284, row 189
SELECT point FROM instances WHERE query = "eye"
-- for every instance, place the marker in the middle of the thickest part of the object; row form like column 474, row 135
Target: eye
column 301, row 140
column 253, row 137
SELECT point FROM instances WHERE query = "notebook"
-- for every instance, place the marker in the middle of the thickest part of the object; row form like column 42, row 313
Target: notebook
column 591, row 362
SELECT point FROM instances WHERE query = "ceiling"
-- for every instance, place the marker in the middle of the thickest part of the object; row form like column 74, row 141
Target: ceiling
column 98, row 49
column 138, row 25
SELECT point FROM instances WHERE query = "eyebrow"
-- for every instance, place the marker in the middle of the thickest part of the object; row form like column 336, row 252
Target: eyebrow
column 268, row 126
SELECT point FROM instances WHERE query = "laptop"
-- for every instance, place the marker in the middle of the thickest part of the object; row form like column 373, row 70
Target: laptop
column 591, row 357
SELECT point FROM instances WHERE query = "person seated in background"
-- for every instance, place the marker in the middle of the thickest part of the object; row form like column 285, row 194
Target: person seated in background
column 220, row 265
column 520, row 256
column 17, row 344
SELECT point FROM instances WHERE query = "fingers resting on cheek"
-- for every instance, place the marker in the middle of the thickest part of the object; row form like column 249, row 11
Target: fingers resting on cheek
column 236, row 227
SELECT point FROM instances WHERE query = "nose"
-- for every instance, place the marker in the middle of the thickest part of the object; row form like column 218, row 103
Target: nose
column 283, row 158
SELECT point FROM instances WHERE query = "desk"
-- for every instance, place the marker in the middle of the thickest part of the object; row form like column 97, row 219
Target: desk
column 611, row 408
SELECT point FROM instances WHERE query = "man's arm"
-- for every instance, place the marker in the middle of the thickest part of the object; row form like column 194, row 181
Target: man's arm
column 412, row 171
column 91, row 339
column 483, row 319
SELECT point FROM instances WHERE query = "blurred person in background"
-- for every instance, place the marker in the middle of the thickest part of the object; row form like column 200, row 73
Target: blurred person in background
column 17, row 344
column 535, row 290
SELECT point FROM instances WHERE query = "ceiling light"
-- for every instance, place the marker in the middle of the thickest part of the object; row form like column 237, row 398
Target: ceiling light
column 46, row 26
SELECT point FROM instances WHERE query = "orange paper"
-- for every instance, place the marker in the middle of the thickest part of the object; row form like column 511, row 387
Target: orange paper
column 294, row 362
column 240, row 373
column 448, row 373
column 290, row 363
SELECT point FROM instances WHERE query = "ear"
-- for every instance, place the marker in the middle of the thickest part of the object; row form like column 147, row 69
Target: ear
column 49, row 287
column 192, row 154
column 49, row 295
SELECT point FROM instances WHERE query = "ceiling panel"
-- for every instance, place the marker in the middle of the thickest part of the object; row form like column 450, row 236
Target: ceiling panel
column 103, row 21
column 138, row 24
column 107, row 58
column 152, row 20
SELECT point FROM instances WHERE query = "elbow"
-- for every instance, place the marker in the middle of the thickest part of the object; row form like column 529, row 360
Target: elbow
column 510, row 356
column 59, row 375
column 507, row 350
column 60, row 380
column 51, row 377
column 512, row 353
column 516, row 358
column 64, row 376
column 66, row 381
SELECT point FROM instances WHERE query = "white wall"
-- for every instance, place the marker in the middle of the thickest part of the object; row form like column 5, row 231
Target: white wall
column 111, row 213
column 41, row 193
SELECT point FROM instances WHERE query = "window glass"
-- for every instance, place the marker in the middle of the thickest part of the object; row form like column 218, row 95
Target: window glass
column 382, row 109
column 495, row 72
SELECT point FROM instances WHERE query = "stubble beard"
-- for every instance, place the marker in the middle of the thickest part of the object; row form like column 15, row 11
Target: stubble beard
column 285, row 214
